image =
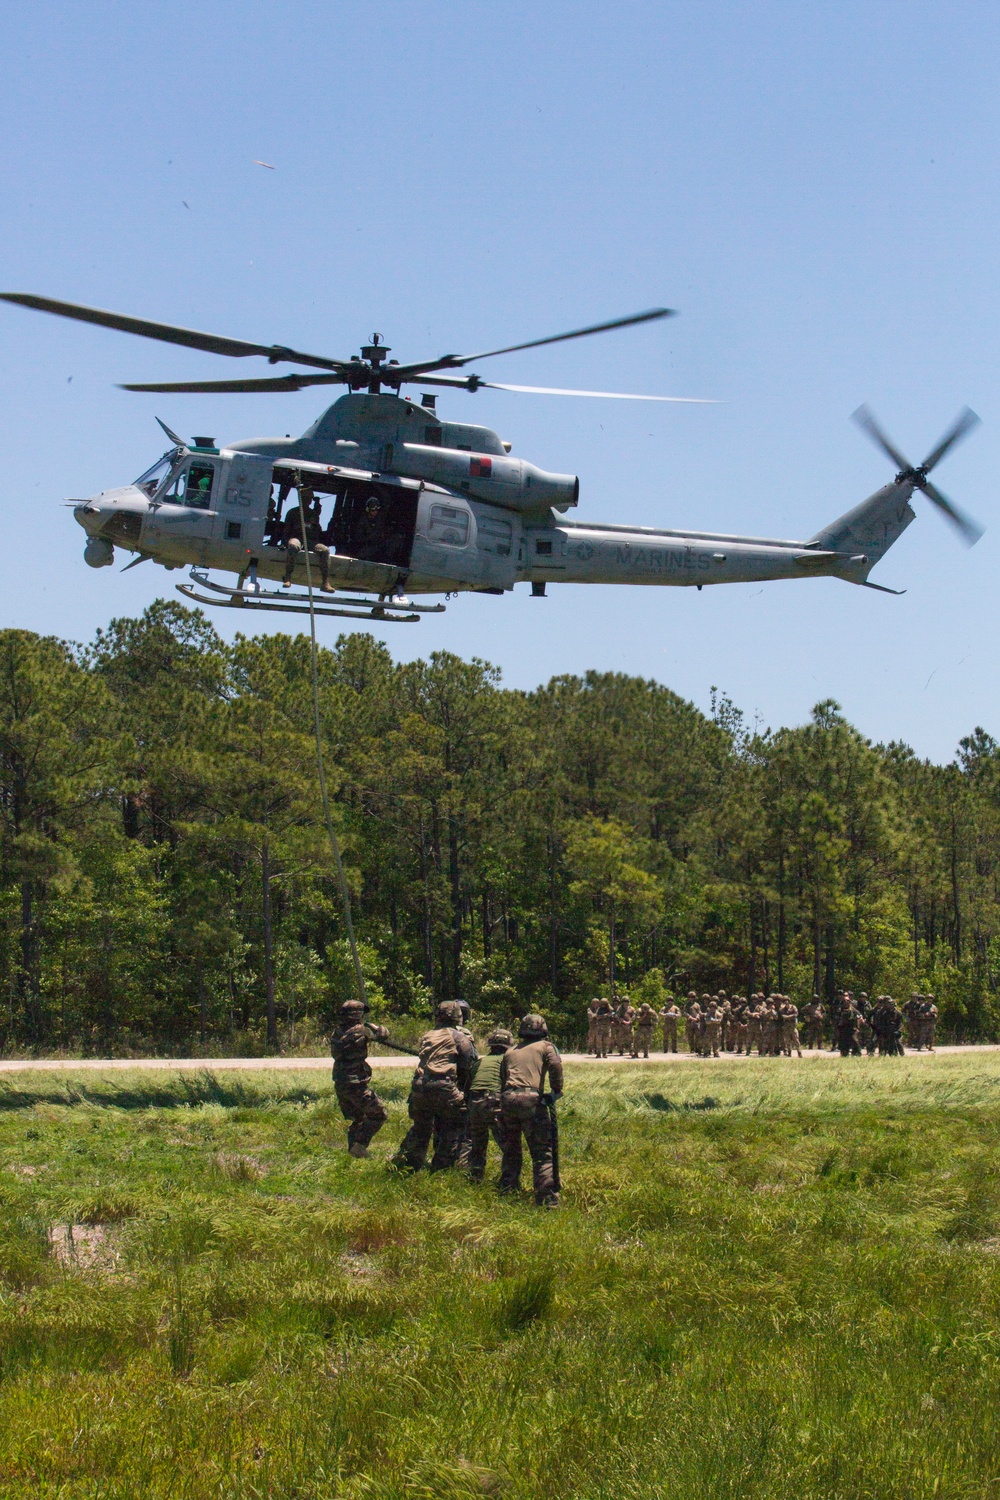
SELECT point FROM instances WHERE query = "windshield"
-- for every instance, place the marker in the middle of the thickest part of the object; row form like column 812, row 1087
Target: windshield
column 152, row 479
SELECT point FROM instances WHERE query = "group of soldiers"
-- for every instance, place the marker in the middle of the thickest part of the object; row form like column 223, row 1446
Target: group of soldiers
column 459, row 1100
column 721, row 1023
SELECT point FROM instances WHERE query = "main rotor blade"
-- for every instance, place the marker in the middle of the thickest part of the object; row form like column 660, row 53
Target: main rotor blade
column 223, row 387
column 969, row 530
column 456, row 361
column 474, row 383
column 551, row 390
column 167, row 333
column 867, row 423
column 177, row 441
column 963, row 423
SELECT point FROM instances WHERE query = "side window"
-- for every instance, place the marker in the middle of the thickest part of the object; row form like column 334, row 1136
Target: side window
column 199, row 486
column 449, row 526
column 193, row 486
column 495, row 537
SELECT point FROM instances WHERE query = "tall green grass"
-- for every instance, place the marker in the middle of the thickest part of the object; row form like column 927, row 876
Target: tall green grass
column 767, row 1280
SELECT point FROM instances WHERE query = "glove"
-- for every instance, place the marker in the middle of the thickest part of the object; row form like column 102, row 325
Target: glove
column 381, row 1033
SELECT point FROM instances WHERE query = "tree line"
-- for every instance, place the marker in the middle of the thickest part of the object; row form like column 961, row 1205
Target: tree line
column 165, row 879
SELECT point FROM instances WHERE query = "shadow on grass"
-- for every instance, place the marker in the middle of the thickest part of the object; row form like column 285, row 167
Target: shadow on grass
column 662, row 1103
column 184, row 1091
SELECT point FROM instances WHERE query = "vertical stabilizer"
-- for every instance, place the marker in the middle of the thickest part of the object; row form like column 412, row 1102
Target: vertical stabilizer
column 870, row 529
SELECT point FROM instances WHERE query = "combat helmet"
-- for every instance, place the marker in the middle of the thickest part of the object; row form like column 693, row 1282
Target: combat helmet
column 532, row 1028
column 449, row 1013
column 352, row 1011
column 500, row 1037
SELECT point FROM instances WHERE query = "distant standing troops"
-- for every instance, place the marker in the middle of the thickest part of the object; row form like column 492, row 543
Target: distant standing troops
column 921, row 1022
column 717, row 1024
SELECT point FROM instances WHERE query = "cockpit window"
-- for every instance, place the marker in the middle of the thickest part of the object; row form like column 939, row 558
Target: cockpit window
column 150, row 482
column 193, row 486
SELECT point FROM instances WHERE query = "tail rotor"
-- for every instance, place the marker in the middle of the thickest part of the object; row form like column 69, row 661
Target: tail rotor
column 917, row 474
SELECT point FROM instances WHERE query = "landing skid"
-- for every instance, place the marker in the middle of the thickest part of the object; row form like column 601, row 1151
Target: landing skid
column 346, row 607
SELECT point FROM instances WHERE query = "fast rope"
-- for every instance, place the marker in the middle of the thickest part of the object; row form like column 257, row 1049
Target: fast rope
column 345, row 894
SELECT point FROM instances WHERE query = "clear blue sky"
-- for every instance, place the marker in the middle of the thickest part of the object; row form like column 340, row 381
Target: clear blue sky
column 814, row 187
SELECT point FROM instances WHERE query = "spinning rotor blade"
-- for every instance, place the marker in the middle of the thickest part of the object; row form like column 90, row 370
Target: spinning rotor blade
column 473, row 383
column 167, row 333
column 551, row 390
column 456, row 361
column 222, row 387
column 867, row 423
column 963, row 423
column 969, row 530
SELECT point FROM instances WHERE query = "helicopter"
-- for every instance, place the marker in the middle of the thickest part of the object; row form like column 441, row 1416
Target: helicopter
column 423, row 506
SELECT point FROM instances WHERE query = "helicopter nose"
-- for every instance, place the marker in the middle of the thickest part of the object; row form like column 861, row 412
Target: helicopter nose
column 85, row 513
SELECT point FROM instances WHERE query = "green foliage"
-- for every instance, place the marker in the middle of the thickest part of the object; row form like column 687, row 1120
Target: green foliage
column 165, row 878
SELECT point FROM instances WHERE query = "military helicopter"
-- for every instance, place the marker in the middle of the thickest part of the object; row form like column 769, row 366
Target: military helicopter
column 423, row 506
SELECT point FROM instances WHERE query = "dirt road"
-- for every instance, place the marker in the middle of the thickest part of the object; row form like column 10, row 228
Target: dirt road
column 254, row 1064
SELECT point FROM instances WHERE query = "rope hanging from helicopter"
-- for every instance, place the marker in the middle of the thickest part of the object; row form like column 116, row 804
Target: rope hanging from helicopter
column 345, row 893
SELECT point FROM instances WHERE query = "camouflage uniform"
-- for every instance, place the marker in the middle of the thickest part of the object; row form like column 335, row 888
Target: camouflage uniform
column 602, row 1027
column 483, row 1104
column 670, row 1015
column 358, row 1102
column 928, row 1025
column 437, row 1094
column 812, row 1015
column 626, row 1028
column 292, row 534
column 789, row 1015
column 913, row 1010
column 523, row 1072
column 740, row 1026
column 713, row 1031
column 592, row 1011
column 882, row 1025
column 644, row 1023
column 728, row 1027
column 692, row 1026
column 866, row 1031
column 754, row 1022
column 847, row 1030
column 770, row 1029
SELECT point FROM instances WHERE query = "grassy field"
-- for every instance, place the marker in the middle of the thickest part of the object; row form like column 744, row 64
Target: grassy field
column 771, row 1279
